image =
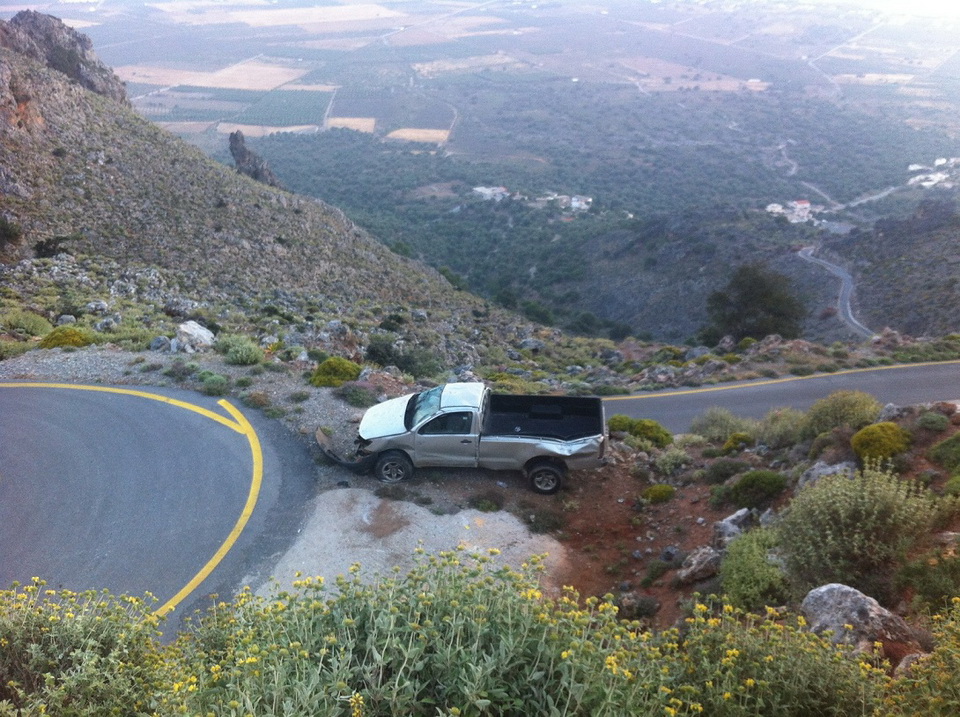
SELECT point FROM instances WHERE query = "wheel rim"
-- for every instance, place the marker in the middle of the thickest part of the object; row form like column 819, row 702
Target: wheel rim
column 393, row 472
column 545, row 480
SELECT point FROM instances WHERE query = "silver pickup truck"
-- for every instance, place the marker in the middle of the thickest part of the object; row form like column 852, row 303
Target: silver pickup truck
column 466, row 425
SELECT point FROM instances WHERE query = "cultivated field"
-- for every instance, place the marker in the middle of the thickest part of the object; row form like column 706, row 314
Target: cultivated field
column 411, row 134
column 360, row 124
column 251, row 75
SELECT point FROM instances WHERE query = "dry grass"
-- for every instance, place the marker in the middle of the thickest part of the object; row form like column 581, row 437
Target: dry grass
column 360, row 124
column 412, row 134
column 250, row 75
column 258, row 130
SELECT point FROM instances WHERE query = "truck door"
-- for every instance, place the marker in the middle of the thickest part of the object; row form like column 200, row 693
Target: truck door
column 447, row 440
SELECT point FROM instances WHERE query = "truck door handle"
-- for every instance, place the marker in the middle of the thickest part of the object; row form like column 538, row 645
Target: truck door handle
column 466, row 440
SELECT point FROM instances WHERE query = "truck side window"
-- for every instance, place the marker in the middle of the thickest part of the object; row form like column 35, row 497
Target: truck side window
column 448, row 424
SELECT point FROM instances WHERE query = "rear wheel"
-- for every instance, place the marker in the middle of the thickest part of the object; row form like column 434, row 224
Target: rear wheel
column 545, row 478
column 393, row 467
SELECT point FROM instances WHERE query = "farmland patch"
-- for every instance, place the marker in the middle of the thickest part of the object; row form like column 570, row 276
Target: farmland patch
column 360, row 124
column 252, row 130
column 208, row 13
column 252, row 75
column 412, row 134
column 469, row 64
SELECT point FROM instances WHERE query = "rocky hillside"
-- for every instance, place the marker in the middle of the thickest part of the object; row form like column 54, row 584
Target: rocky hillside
column 81, row 173
column 906, row 270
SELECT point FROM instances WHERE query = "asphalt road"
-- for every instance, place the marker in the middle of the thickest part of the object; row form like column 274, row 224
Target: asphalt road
column 180, row 495
column 902, row 385
column 156, row 490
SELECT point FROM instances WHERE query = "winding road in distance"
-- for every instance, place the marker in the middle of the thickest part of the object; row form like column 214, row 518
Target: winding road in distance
column 902, row 385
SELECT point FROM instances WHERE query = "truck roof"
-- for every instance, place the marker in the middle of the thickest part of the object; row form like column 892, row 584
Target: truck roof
column 462, row 395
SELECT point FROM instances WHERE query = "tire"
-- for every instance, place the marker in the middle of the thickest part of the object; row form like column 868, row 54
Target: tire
column 393, row 467
column 545, row 478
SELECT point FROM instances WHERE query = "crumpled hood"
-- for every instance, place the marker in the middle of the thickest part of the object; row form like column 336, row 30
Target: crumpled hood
column 384, row 419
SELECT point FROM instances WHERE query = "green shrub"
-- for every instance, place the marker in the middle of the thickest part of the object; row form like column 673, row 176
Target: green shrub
column 737, row 442
column 659, row 493
column 66, row 337
column 947, row 452
column 716, row 424
column 723, row 469
column 239, row 350
column 780, row 428
column 25, row 323
column 180, row 370
column 756, row 488
column 335, row 371
column 952, row 486
column 67, row 653
column 933, row 578
column 655, row 570
column 418, row 361
column 880, row 441
column 671, row 460
column 488, row 501
column 856, row 531
column 9, row 349
column 930, row 687
column 652, row 431
column 933, row 421
column 358, row 393
column 750, row 579
column 853, row 409
column 256, row 399
column 215, row 384
column 299, row 396
column 619, row 423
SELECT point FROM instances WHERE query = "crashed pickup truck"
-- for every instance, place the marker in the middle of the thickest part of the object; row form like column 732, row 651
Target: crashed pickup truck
column 466, row 425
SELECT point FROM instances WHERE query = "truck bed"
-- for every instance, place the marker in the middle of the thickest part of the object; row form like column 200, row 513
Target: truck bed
column 565, row 418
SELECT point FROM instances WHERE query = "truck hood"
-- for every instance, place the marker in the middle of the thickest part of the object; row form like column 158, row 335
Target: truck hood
column 384, row 419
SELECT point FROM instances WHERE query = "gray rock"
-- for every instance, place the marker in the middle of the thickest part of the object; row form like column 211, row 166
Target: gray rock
column 66, row 319
column 194, row 337
column 670, row 553
column 821, row 469
column 160, row 343
column 108, row 323
column 702, row 563
column 695, row 353
column 855, row 619
column 97, row 307
column 891, row 412
column 533, row 345
column 419, row 315
column 179, row 307
column 733, row 526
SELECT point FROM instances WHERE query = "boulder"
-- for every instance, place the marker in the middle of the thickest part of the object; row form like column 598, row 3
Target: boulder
column 160, row 343
column 66, row 319
column 858, row 620
column 702, row 563
column 821, row 469
column 192, row 337
column 724, row 531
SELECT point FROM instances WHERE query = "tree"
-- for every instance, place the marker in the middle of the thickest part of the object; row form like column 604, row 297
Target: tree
column 755, row 303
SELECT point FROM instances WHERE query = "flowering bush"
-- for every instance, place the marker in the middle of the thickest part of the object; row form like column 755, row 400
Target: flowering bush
column 68, row 653
column 853, row 409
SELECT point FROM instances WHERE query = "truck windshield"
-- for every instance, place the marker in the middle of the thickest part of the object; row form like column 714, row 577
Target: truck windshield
column 421, row 406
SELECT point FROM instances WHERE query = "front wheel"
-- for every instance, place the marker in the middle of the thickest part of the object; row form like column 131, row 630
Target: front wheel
column 393, row 467
column 545, row 478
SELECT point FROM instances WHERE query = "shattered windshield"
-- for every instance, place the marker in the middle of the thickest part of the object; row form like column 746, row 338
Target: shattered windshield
column 421, row 406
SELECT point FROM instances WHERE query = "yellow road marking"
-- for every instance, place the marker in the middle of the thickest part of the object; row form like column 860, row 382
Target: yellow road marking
column 769, row 382
column 239, row 423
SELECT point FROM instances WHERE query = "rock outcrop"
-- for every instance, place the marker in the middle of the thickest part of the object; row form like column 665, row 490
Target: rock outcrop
column 47, row 40
column 250, row 163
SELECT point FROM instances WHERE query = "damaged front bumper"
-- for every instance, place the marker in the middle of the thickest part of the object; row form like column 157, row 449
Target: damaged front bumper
column 359, row 463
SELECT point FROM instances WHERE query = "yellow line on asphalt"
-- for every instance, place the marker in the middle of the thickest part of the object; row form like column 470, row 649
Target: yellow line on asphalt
column 242, row 426
column 769, row 382
column 239, row 423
